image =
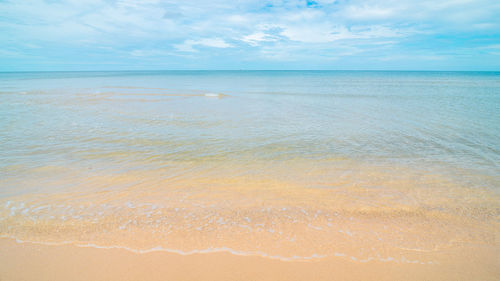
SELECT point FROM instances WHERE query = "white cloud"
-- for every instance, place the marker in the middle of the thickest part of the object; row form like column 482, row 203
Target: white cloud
column 325, row 2
column 326, row 33
column 369, row 12
column 312, row 34
column 278, row 29
column 187, row 46
column 255, row 38
column 412, row 57
column 494, row 46
column 214, row 42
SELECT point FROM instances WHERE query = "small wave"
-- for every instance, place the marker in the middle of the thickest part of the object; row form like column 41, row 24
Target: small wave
column 174, row 251
column 214, row 95
column 313, row 257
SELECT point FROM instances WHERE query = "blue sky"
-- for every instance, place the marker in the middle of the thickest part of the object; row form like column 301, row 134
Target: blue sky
column 249, row 34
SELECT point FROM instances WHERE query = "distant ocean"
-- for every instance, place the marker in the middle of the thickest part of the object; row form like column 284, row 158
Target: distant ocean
column 367, row 165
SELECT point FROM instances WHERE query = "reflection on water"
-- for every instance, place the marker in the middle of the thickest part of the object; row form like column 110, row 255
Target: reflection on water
column 388, row 166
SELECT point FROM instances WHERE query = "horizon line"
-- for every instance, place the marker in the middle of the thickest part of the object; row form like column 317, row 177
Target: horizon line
column 243, row 70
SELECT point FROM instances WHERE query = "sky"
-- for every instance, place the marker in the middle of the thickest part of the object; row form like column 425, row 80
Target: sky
column 47, row 35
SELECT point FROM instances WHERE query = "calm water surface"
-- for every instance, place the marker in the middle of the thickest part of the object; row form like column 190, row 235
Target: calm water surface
column 284, row 164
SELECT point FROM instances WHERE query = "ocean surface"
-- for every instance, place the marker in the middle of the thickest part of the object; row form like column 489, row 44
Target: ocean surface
column 294, row 165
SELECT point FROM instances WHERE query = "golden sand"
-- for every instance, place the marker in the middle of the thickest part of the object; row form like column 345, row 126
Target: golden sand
column 223, row 224
column 27, row 261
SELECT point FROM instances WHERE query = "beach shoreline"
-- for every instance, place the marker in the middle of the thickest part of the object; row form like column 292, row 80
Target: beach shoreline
column 31, row 261
column 290, row 176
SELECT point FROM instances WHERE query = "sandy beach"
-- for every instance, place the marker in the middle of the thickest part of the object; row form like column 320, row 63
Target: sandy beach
column 28, row 261
column 281, row 176
column 249, row 140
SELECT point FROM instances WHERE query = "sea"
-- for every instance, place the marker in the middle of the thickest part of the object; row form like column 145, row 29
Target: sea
column 387, row 166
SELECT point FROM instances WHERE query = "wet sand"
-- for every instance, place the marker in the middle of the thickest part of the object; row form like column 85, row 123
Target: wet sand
column 238, row 228
column 28, row 261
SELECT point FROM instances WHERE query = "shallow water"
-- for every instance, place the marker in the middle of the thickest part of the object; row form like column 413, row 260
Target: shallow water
column 295, row 165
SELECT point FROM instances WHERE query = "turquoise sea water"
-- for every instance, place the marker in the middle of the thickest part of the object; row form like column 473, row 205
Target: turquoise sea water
column 295, row 163
column 434, row 120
